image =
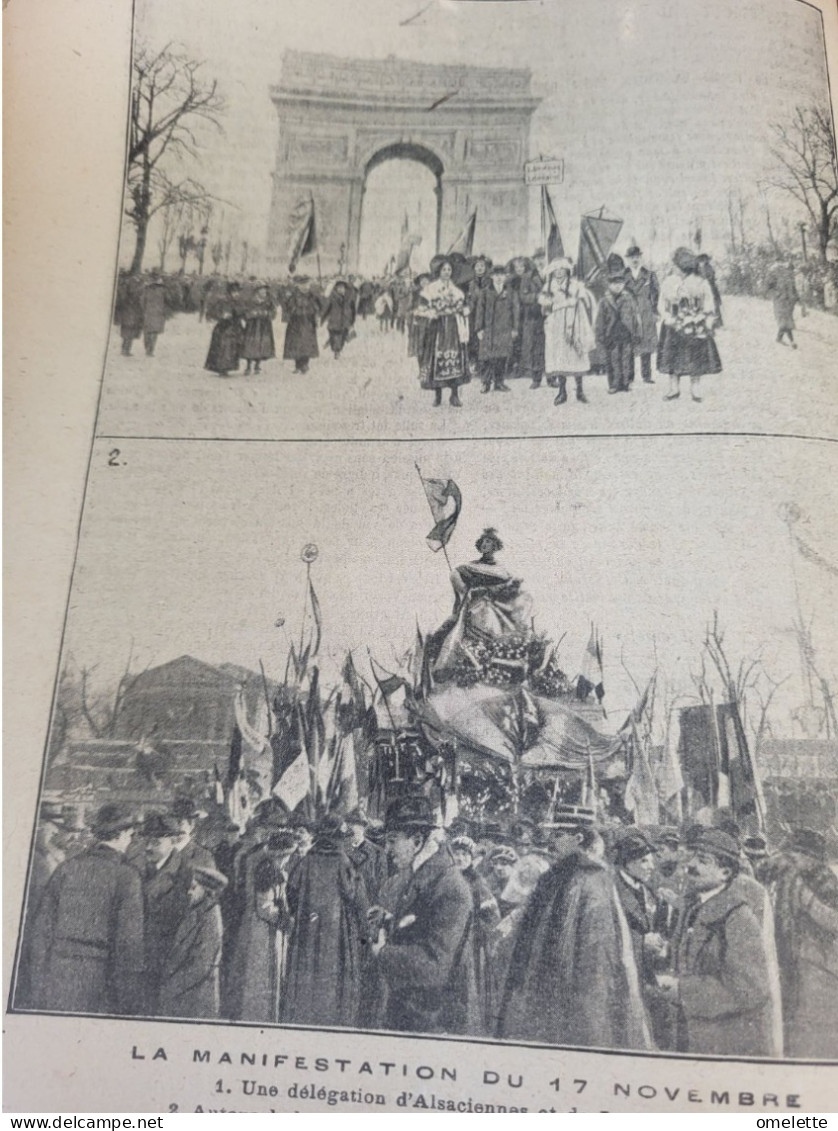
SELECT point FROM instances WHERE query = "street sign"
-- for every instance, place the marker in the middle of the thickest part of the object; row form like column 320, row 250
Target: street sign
column 545, row 171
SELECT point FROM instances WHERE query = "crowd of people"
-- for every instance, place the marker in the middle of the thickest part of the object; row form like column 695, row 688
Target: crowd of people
column 467, row 318
column 696, row 939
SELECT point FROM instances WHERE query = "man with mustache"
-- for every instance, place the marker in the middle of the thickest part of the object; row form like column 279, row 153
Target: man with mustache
column 722, row 981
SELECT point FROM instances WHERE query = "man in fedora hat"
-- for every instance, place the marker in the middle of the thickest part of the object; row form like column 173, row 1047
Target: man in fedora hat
column 190, row 978
column 426, row 957
column 722, row 982
column 165, row 886
column 805, row 897
column 87, row 950
column 186, row 814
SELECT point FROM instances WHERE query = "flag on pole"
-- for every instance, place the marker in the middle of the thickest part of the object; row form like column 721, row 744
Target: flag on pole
column 670, row 777
column 550, row 234
column 219, row 788
column 591, row 678
column 304, row 241
column 440, row 493
column 597, row 235
column 464, row 242
column 293, row 786
column 641, row 796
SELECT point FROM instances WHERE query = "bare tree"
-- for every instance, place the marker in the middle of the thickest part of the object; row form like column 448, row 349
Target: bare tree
column 169, row 100
column 804, row 150
column 100, row 708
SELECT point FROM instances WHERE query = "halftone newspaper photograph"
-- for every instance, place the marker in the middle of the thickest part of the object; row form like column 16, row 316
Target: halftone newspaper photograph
column 442, row 713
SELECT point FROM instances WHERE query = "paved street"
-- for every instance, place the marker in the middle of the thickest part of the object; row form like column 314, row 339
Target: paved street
column 373, row 391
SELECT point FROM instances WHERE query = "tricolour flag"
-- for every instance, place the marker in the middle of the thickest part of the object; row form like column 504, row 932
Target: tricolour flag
column 304, row 240
column 551, row 235
column 597, row 235
column 464, row 242
column 293, row 786
column 590, row 678
column 445, row 501
column 641, row 796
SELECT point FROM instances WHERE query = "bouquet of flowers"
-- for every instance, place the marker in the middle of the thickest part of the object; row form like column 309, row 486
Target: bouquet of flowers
column 692, row 320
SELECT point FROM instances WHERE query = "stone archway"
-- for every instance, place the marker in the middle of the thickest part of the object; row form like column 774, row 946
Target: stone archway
column 340, row 117
column 404, row 151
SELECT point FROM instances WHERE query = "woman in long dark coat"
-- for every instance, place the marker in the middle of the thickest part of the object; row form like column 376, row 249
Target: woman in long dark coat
column 226, row 342
column 529, row 348
column 302, row 311
column 339, row 316
column 782, row 290
column 258, row 342
column 327, row 898
column 443, row 360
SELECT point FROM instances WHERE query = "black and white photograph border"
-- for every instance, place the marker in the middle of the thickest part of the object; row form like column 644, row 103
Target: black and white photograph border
column 286, row 214
column 299, row 695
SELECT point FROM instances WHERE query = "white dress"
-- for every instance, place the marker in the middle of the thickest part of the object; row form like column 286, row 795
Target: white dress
column 568, row 326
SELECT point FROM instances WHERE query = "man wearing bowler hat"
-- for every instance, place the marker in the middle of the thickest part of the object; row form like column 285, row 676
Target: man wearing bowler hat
column 427, row 957
column 190, row 982
column 722, row 981
column 368, row 858
column 617, row 327
column 87, row 936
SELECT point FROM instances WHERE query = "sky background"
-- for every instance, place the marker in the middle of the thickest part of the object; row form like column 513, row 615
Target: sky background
column 195, row 549
column 658, row 107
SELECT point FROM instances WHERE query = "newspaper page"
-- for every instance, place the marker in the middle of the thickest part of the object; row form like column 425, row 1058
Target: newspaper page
column 422, row 448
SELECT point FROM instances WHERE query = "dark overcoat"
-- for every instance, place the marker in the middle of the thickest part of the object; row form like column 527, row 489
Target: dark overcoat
column 428, row 962
column 154, row 307
column 724, row 978
column 498, row 317
column 644, row 289
column 87, row 941
column 258, row 337
column 165, row 891
column 572, row 978
column 190, row 982
column 327, row 900
column 302, row 311
column 339, row 312
column 531, row 334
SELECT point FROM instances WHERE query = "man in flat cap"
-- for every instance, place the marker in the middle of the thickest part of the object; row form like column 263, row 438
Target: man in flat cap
column 427, row 957
column 87, row 936
column 165, row 886
column 722, row 975
column 190, row 978
column 805, row 897
column 649, row 922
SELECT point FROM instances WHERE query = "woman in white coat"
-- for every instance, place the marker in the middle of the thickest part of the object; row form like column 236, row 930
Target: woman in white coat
column 568, row 308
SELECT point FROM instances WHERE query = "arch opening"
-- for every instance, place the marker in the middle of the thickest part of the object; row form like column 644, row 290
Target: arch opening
column 402, row 191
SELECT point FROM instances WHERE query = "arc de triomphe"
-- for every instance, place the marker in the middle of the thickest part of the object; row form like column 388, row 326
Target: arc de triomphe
column 339, row 118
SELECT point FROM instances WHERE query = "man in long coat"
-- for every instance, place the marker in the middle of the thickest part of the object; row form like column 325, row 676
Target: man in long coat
column 301, row 311
column 572, row 977
column 155, row 308
column 427, row 957
column 165, row 886
column 722, row 981
column 805, row 895
column 496, row 324
column 368, row 858
column 190, row 979
column 87, row 941
column 642, row 285
column 339, row 316
column 328, row 902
